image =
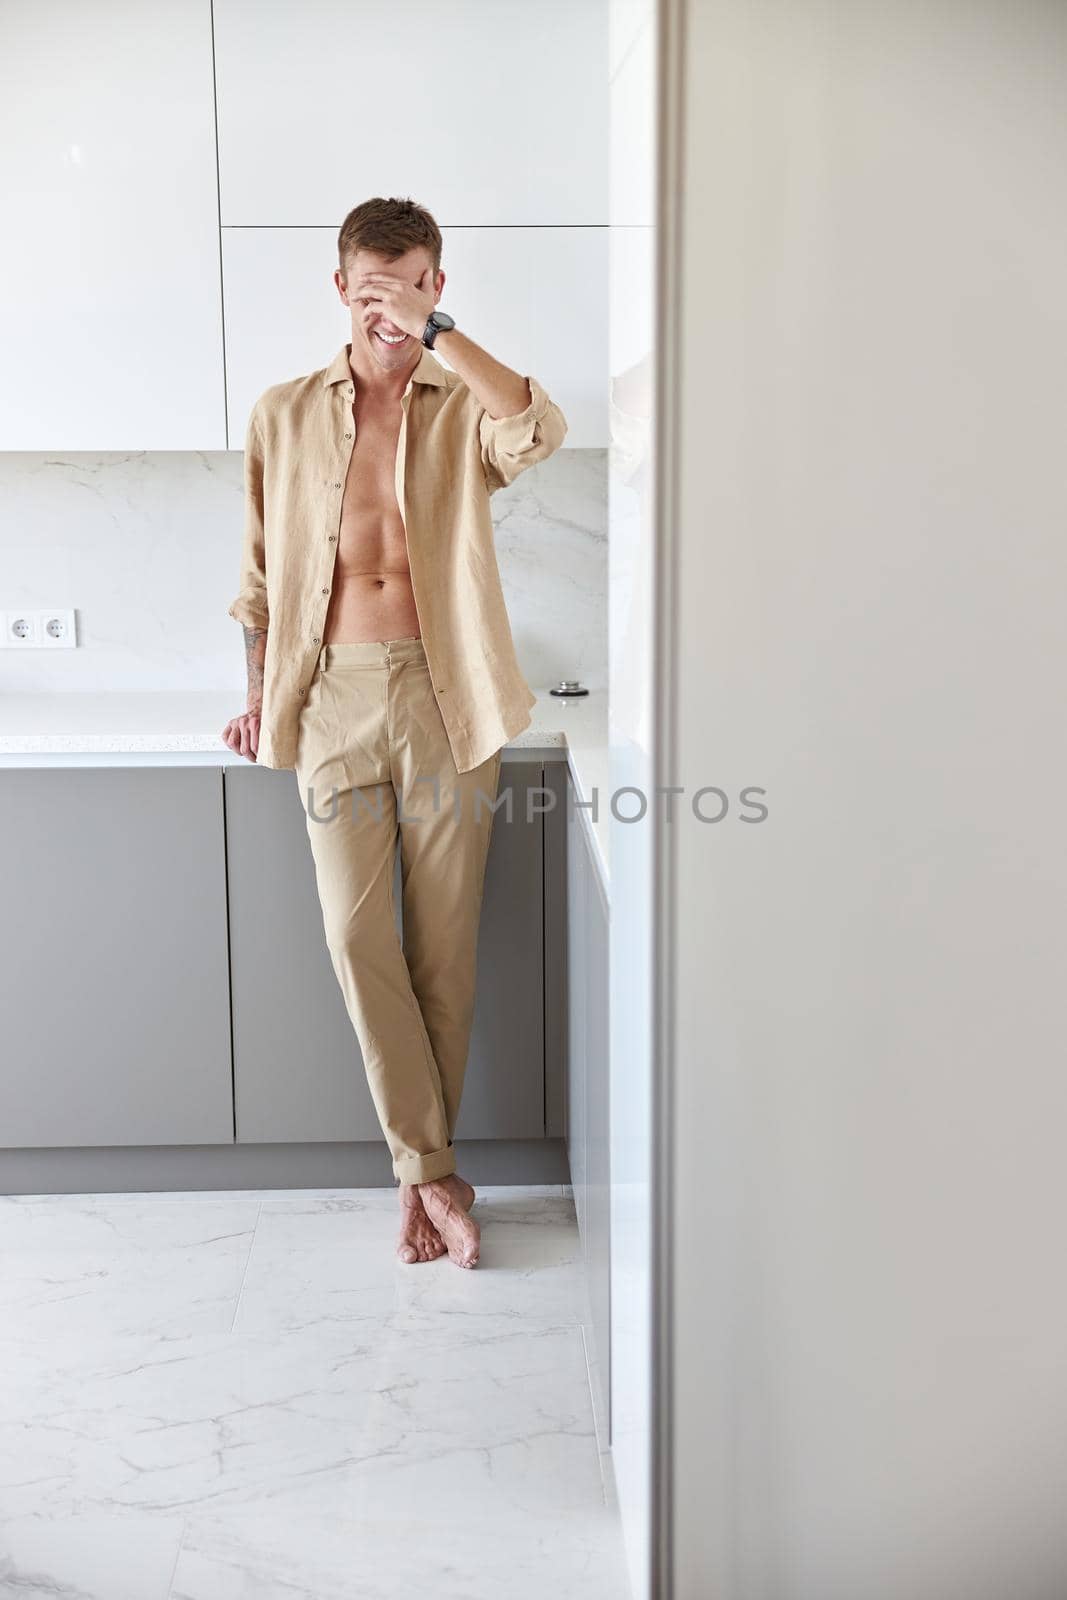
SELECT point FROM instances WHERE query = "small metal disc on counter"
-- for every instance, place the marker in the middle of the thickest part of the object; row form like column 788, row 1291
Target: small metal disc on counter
column 568, row 686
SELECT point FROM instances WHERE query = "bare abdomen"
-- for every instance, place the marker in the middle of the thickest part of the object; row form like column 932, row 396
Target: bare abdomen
column 370, row 606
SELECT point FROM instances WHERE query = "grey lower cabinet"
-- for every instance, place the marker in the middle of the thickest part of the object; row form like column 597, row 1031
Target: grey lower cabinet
column 113, row 985
column 166, row 982
column 298, row 1072
column 587, row 1089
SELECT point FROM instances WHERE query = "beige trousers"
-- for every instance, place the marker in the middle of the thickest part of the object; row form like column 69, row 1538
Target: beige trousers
column 375, row 767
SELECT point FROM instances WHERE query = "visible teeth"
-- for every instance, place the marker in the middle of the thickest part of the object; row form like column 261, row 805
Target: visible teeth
column 391, row 338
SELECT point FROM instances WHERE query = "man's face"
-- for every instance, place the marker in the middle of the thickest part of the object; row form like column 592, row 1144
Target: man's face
column 389, row 346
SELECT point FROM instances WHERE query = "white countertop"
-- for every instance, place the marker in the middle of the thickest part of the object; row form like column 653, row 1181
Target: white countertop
column 160, row 728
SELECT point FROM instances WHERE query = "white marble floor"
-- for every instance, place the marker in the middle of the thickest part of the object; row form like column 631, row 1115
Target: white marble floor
column 246, row 1396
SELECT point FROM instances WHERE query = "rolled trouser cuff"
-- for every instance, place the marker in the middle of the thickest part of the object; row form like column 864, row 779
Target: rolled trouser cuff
column 423, row 1169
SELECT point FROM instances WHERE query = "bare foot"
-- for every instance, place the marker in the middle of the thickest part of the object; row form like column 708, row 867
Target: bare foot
column 419, row 1240
column 443, row 1199
column 464, row 1192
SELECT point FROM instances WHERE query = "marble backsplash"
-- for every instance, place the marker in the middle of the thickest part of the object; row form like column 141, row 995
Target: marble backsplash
column 145, row 548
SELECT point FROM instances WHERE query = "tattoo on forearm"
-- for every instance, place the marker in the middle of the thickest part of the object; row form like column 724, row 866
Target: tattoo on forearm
column 255, row 654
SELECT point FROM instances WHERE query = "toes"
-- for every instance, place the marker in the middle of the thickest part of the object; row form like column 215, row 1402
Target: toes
column 407, row 1253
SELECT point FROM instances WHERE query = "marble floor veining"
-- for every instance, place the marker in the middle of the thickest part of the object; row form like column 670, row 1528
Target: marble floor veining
column 246, row 1396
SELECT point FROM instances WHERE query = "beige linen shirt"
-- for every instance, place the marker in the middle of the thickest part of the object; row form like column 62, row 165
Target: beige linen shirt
column 451, row 456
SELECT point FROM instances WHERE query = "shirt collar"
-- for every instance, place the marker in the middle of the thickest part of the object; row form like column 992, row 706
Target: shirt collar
column 427, row 370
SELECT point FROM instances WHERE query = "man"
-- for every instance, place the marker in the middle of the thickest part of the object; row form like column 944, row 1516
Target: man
column 382, row 670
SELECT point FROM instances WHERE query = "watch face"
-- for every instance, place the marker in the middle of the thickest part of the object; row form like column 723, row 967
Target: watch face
column 443, row 321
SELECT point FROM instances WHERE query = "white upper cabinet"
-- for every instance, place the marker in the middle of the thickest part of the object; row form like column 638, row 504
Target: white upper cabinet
column 110, row 289
column 492, row 113
column 488, row 112
column 535, row 298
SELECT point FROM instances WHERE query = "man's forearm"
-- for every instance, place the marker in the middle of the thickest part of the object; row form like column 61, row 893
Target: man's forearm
column 255, row 654
column 501, row 391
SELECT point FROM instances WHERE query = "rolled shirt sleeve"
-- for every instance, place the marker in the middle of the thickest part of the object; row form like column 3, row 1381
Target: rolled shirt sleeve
column 511, row 444
column 250, row 604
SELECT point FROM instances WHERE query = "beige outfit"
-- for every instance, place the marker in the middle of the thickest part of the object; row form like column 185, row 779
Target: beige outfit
column 372, row 719
column 374, row 766
column 451, row 457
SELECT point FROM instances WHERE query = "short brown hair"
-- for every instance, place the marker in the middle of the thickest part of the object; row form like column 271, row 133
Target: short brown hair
column 390, row 228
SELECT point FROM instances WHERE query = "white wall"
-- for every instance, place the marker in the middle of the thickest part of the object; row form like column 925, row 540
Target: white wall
column 868, row 568
column 145, row 547
column 631, row 253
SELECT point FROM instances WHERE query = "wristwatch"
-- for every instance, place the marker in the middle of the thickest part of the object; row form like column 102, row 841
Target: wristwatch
column 437, row 322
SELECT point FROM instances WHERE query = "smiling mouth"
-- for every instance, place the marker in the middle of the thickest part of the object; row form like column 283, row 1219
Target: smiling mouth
column 391, row 339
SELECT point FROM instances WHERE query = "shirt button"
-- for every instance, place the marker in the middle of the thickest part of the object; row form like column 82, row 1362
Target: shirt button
column 300, row 691
column 326, row 591
column 314, row 641
column 337, row 485
column 348, row 436
column 333, row 536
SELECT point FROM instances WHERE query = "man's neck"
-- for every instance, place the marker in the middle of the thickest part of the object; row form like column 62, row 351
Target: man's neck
column 375, row 382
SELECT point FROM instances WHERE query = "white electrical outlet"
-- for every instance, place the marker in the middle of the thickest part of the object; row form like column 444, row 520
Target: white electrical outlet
column 55, row 629
column 38, row 630
column 20, row 630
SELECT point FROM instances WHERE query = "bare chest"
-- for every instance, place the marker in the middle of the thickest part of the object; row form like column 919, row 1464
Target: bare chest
column 370, row 487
